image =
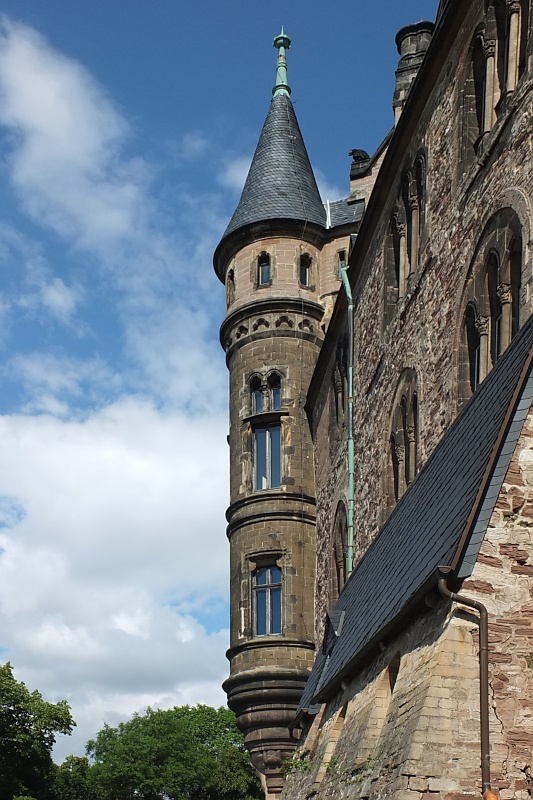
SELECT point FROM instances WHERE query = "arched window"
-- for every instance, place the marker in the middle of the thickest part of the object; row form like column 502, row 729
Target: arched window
column 420, row 188
column 474, row 95
column 491, row 299
column 274, row 391
column 338, row 554
column 266, row 394
column 403, row 438
column 305, row 270
column 473, row 346
column 264, row 277
column 256, row 392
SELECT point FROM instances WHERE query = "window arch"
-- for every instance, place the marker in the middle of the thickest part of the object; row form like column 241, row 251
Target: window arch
column 265, row 393
column 256, row 393
column 402, row 456
column 474, row 98
column 274, row 391
column 338, row 554
column 491, row 303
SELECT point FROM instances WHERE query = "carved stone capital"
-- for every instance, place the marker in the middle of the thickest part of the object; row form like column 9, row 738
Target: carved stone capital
column 513, row 6
column 489, row 48
column 482, row 325
column 399, row 452
column 504, row 293
column 413, row 201
column 401, row 228
column 410, row 431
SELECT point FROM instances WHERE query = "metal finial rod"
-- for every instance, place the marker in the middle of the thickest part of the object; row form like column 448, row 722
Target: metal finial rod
column 282, row 43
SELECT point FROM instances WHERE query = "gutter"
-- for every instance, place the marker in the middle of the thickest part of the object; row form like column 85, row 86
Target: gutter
column 351, row 454
column 487, row 790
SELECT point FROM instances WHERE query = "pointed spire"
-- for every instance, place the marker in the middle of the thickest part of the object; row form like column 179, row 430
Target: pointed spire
column 280, row 185
column 282, row 43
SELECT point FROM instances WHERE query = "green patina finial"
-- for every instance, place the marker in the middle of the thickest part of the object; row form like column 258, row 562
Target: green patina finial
column 282, row 43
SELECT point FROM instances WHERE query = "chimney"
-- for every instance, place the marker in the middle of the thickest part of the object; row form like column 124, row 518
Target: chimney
column 412, row 43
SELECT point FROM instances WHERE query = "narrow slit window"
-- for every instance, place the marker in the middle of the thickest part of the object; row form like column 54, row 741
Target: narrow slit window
column 305, row 270
column 258, row 400
column 263, row 270
column 274, row 385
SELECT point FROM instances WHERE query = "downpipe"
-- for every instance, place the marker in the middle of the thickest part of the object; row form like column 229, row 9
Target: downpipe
column 351, row 450
column 483, row 628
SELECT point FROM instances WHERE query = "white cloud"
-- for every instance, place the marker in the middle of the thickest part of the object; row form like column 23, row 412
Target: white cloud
column 113, row 474
column 234, row 173
column 108, row 523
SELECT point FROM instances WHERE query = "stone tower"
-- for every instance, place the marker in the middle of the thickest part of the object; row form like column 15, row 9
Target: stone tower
column 268, row 259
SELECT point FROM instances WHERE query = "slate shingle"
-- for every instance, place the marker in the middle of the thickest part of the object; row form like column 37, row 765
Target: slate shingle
column 280, row 183
column 425, row 528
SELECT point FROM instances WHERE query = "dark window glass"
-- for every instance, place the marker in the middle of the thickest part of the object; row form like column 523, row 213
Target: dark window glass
column 274, row 385
column 305, row 269
column 267, row 606
column 263, row 266
column 267, row 457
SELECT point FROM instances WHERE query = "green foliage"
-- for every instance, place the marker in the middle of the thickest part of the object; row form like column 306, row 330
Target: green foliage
column 28, row 727
column 181, row 754
column 297, row 762
column 73, row 780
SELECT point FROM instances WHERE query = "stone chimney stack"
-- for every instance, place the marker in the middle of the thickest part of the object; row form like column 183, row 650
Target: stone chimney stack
column 412, row 43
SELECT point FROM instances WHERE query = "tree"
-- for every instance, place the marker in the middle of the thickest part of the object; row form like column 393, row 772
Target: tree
column 28, row 728
column 182, row 754
column 73, row 780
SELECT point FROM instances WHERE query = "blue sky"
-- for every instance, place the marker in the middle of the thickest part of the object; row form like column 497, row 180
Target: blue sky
column 126, row 130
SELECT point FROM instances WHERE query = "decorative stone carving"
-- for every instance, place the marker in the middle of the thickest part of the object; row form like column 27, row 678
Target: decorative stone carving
column 260, row 323
column 504, row 293
column 513, row 6
column 482, row 325
column 305, row 325
column 242, row 330
column 284, row 322
column 489, row 48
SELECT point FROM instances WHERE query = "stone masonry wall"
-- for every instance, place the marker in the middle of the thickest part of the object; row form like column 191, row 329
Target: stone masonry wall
column 424, row 332
column 407, row 726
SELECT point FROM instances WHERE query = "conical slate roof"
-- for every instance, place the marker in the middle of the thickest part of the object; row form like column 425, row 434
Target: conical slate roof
column 280, row 183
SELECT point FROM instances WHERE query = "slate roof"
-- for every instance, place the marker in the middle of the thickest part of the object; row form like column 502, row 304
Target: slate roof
column 280, row 183
column 341, row 212
column 426, row 528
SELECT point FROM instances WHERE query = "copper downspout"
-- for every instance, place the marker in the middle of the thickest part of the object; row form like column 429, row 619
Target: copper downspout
column 487, row 791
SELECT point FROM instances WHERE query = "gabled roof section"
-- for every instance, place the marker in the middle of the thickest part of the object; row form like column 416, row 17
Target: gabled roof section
column 344, row 212
column 280, row 183
column 440, row 521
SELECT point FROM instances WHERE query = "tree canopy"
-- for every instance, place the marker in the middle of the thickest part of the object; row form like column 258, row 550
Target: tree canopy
column 186, row 753
column 28, row 728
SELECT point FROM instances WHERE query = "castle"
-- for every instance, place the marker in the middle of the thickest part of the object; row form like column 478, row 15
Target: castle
column 380, row 353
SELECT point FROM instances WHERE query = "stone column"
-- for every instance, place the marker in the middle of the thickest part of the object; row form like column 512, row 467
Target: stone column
column 482, row 327
column 514, row 10
column 404, row 259
column 411, row 443
column 505, row 298
column 399, row 452
column 415, row 232
column 490, row 82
